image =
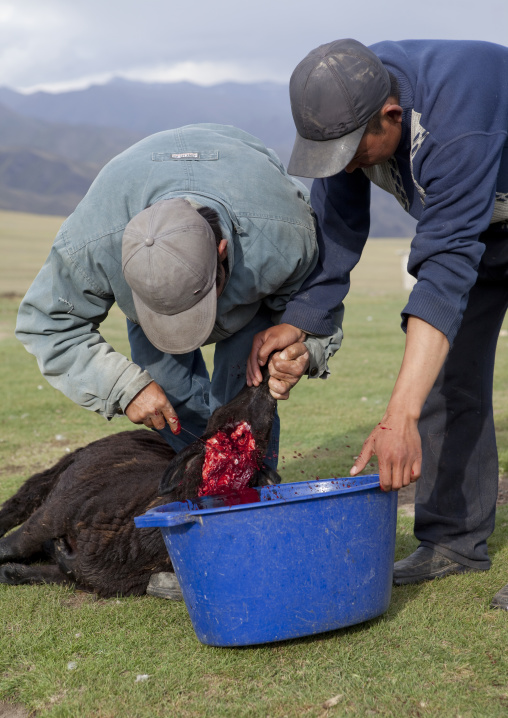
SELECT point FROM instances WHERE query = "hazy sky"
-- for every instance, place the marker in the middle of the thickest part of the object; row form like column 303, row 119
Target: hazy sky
column 60, row 44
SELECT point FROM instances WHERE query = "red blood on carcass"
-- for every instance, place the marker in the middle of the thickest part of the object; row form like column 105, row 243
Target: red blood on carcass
column 230, row 461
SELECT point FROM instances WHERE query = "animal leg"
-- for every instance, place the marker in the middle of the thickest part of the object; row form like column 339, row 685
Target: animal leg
column 31, row 495
column 65, row 558
column 27, row 542
column 17, row 574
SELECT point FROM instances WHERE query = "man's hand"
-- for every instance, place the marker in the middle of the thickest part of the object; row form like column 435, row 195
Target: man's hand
column 264, row 343
column 286, row 369
column 152, row 408
column 398, row 447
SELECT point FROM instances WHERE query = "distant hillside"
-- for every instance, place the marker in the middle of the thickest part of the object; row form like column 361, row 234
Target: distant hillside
column 262, row 109
column 34, row 181
column 82, row 143
column 64, row 139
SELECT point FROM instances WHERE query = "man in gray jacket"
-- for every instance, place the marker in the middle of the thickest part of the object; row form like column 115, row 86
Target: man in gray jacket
column 200, row 236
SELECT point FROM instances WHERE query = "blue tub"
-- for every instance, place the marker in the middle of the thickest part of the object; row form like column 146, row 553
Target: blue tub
column 309, row 557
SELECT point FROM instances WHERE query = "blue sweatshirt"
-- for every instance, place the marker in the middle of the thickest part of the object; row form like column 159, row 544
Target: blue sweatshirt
column 450, row 172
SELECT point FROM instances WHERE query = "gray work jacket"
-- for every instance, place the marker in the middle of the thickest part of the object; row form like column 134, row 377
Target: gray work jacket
column 265, row 215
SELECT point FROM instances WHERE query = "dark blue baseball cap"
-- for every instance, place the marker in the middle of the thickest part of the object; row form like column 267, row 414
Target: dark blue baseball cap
column 334, row 92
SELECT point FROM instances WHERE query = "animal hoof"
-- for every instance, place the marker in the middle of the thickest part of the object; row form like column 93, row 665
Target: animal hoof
column 5, row 552
column 9, row 574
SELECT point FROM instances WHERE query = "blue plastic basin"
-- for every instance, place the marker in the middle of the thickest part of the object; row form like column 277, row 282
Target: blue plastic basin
column 309, row 557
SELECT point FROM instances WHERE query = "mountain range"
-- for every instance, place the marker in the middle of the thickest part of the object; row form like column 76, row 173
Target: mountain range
column 53, row 145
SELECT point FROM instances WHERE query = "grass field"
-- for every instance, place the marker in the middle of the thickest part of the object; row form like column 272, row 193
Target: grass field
column 438, row 650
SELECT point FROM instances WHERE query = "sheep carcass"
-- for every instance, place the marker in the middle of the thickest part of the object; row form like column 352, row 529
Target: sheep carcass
column 78, row 515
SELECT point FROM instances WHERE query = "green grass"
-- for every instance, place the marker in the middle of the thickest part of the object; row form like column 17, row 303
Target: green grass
column 438, row 650
column 25, row 241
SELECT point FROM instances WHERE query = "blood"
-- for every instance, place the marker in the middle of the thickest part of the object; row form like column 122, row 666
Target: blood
column 245, row 496
column 231, row 460
column 174, row 423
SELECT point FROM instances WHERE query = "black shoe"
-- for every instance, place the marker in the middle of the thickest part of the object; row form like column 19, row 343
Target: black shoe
column 425, row 564
column 500, row 600
column 164, row 585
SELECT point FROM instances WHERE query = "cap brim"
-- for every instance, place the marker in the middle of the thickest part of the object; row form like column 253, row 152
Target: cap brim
column 324, row 158
column 179, row 333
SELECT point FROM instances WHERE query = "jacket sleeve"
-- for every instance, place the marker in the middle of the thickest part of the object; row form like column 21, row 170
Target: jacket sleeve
column 316, row 305
column 323, row 348
column 460, row 181
column 58, row 322
column 342, row 207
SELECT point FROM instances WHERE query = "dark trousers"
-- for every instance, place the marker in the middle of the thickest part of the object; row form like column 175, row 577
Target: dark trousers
column 456, row 495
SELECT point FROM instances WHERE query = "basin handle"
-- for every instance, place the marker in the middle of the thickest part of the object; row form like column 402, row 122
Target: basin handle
column 153, row 518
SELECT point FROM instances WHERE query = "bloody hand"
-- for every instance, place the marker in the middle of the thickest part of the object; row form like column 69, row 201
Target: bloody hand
column 152, row 408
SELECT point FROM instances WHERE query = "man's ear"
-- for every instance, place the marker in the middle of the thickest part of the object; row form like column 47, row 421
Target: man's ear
column 392, row 112
column 223, row 249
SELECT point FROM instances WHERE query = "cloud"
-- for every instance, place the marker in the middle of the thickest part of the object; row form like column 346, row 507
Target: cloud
column 199, row 73
column 57, row 42
column 32, row 37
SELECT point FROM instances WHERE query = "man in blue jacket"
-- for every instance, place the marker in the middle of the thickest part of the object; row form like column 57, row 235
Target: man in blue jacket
column 428, row 122
column 200, row 236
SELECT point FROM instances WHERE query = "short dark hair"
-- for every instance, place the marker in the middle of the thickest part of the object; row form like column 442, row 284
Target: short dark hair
column 213, row 220
column 374, row 125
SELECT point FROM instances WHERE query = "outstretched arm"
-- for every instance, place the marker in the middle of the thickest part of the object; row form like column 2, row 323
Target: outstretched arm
column 395, row 440
column 341, row 204
column 59, row 321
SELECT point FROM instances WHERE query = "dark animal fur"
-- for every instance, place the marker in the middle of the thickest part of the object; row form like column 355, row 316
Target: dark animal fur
column 79, row 513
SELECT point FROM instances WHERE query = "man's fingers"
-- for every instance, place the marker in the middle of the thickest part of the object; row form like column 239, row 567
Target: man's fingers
column 172, row 419
column 362, row 458
column 157, row 420
column 270, row 344
column 406, row 477
column 416, row 470
column 398, row 450
column 290, row 363
column 285, row 374
column 279, row 389
column 278, row 337
column 293, row 352
column 279, row 397
column 394, row 473
column 253, row 375
column 286, row 368
column 152, row 408
column 385, row 477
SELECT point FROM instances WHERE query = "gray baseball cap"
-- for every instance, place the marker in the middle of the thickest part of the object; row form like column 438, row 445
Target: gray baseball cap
column 169, row 260
column 334, row 92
